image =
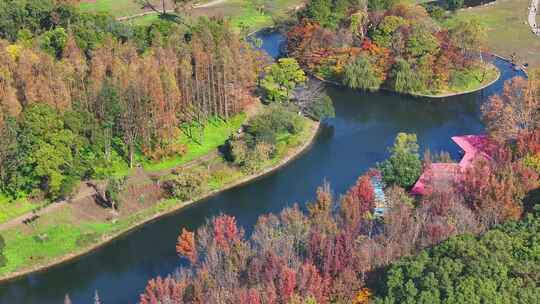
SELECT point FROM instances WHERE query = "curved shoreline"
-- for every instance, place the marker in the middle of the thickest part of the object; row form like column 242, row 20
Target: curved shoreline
column 418, row 95
column 445, row 95
column 291, row 155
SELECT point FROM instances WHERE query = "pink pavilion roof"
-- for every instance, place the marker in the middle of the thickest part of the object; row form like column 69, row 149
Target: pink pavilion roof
column 442, row 175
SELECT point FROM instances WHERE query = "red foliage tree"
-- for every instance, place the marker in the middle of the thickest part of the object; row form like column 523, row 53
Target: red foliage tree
column 529, row 143
column 310, row 283
column 286, row 284
column 160, row 290
column 495, row 190
column 185, row 245
column 249, row 296
column 226, row 232
column 358, row 202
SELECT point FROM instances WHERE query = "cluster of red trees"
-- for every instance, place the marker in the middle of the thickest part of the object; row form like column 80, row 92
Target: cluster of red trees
column 327, row 254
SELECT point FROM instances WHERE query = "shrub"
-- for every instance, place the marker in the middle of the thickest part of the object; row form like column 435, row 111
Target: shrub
column 281, row 78
column 256, row 157
column 258, row 144
column 186, row 184
column 267, row 126
column 250, row 160
column 533, row 162
column 321, row 108
column 114, row 187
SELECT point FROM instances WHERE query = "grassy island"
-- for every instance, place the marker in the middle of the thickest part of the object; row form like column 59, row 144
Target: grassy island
column 391, row 45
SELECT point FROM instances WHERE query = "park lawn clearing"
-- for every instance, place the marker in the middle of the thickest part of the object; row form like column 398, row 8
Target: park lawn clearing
column 57, row 234
column 507, row 29
column 117, row 8
column 470, row 80
column 11, row 209
column 250, row 18
column 242, row 13
column 31, row 244
column 215, row 134
column 145, row 20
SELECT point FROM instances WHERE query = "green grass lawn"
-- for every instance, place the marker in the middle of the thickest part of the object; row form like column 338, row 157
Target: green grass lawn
column 116, row 8
column 215, row 134
column 508, row 31
column 144, row 20
column 12, row 209
column 472, row 79
column 241, row 12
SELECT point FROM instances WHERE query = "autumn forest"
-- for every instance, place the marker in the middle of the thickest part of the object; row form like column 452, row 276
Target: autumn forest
column 111, row 127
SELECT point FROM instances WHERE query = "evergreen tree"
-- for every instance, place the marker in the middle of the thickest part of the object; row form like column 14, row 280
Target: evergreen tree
column 403, row 167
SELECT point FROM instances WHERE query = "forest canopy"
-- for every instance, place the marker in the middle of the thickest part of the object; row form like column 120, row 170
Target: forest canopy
column 369, row 44
column 81, row 94
column 501, row 266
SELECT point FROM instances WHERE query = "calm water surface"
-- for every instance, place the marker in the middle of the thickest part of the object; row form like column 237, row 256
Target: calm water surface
column 365, row 125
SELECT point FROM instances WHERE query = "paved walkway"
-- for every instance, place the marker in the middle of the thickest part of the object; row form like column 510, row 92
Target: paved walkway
column 533, row 11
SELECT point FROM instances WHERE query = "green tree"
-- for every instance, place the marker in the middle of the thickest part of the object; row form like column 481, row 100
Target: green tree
column 33, row 15
column 8, row 156
column 404, row 79
column 499, row 267
column 281, row 79
column 383, row 34
column 421, row 42
column 362, row 74
column 50, row 153
column 470, row 36
column 403, row 167
column 54, row 41
column 321, row 11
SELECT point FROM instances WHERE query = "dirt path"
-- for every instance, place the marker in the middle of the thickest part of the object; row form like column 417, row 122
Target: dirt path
column 83, row 193
column 533, row 11
column 18, row 220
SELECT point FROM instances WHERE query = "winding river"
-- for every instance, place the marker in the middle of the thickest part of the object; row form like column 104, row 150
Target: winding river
column 358, row 137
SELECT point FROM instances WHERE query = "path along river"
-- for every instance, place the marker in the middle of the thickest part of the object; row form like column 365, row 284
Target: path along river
column 365, row 125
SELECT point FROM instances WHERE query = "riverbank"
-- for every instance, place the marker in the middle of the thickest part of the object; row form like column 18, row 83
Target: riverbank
column 99, row 236
column 491, row 77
